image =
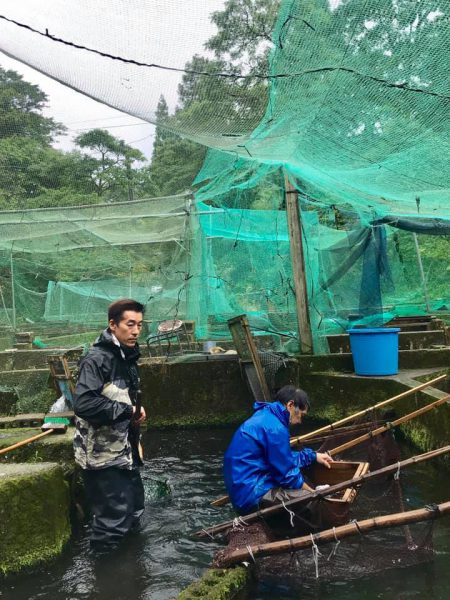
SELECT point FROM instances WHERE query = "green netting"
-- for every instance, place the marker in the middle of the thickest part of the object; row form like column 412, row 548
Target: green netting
column 350, row 101
column 221, row 262
column 354, row 98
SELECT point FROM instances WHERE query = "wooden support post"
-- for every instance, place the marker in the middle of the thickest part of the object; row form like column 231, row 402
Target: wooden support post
column 298, row 267
column 422, row 273
column 13, row 293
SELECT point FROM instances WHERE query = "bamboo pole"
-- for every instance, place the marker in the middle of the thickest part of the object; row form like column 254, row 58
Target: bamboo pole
column 223, row 500
column 266, row 512
column 383, row 428
column 337, row 533
column 24, row 442
column 366, row 411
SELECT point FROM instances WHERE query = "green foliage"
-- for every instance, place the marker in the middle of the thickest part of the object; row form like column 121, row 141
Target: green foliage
column 245, row 32
column 33, row 174
column 114, row 162
column 21, row 104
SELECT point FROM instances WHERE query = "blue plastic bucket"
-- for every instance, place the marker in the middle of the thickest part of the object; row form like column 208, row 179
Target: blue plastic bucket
column 375, row 351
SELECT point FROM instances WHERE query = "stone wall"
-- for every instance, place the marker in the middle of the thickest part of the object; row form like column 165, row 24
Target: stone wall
column 34, row 514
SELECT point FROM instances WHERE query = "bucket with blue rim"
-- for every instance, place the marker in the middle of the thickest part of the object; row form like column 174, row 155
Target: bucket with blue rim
column 375, row 350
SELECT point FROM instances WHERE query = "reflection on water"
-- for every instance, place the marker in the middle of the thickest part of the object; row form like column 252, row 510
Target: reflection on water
column 160, row 561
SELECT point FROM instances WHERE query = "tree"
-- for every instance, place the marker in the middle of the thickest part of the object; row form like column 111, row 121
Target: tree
column 244, row 33
column 175, row 161
column 209, row 104
column 114, row 161
column 21, row 105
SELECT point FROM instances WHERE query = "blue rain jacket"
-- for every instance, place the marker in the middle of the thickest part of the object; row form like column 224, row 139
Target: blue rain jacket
column 260, row 458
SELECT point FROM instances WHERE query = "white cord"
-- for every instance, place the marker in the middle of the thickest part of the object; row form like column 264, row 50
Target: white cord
column 250, row 551
column 335, row 547
column 316, row 553
column 291, row 512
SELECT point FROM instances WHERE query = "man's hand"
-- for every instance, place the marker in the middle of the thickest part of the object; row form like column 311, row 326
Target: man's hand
column 323, row 458
column 139, row 420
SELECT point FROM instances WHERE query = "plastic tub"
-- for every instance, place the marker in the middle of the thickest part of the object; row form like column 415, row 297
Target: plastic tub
column 375, row 350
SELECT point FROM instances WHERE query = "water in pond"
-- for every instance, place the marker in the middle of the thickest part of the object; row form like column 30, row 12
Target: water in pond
column 163, row 559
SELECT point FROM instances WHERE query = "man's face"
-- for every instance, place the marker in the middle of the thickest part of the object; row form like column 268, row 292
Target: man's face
column 129, row 328
column 295, row 414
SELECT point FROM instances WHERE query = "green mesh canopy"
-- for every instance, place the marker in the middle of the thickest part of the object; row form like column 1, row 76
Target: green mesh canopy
column 352, row 107
column 355, row 97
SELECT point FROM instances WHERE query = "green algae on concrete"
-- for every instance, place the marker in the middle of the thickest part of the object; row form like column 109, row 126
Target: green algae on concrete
column 55, row 447
column 199, row 393
column 34, row 514
column 219, row 584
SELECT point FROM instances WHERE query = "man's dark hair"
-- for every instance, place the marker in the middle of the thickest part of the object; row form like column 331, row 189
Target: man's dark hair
column 117, row 308
column 290, row 392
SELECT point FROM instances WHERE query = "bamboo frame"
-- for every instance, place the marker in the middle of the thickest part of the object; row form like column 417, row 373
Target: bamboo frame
column 266, row 512
column 338, row 533
column 383, row 428
column 366, row 411
column 223, row 500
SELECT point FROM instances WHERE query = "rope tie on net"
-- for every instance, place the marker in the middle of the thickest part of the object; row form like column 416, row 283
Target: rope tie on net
column 239, row 523
column 315, row 554
column 250, row 551
column 291, row 512
column 397, row 473
column 336, row 545
column 208, row 534
column 434, row 508
column 356, row 524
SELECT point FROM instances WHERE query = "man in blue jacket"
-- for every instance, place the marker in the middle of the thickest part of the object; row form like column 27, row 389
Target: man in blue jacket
column 259, row 466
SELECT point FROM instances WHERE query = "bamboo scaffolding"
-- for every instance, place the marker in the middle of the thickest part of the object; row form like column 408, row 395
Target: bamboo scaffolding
column 383, row 428
column 337, row 533
column 223, row 500
column 266, row 512
column 366, row 411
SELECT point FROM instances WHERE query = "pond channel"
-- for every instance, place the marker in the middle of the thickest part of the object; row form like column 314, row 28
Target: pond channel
column 159, row 562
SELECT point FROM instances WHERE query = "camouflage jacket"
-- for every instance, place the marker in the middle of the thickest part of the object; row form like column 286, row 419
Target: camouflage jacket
column 104, row 395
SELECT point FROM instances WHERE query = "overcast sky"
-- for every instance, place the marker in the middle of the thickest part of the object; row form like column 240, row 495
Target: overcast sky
column 189, row 25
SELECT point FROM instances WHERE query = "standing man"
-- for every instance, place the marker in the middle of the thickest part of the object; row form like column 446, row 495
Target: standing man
column 260, row 468
column 106, row 441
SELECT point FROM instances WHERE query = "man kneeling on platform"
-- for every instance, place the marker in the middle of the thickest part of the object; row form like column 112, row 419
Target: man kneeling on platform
column 260, row 468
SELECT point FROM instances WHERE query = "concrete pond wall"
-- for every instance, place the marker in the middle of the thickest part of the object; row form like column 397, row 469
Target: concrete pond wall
column 34, row 514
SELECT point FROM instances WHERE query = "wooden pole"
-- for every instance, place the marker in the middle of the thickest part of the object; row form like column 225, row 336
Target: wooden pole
column 383, row 428
column 337, row 533
column 266, row 512
column 298, row 267
column 422, row 273
column 366, row 411
column 13, row 293
column 24, row 442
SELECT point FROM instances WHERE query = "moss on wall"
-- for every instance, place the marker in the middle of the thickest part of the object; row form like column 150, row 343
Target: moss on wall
column 34, row 515
column 210, row 392
column 57, row 447
column 8, row 400
column 219, row 584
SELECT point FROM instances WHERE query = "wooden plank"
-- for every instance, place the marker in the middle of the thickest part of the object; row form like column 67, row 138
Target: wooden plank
column 246, row 348
column 298, row 267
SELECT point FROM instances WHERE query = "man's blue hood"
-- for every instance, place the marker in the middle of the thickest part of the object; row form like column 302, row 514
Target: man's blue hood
column 276, row 408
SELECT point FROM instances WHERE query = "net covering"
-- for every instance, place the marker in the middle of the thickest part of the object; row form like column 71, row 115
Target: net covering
column 348, row 99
